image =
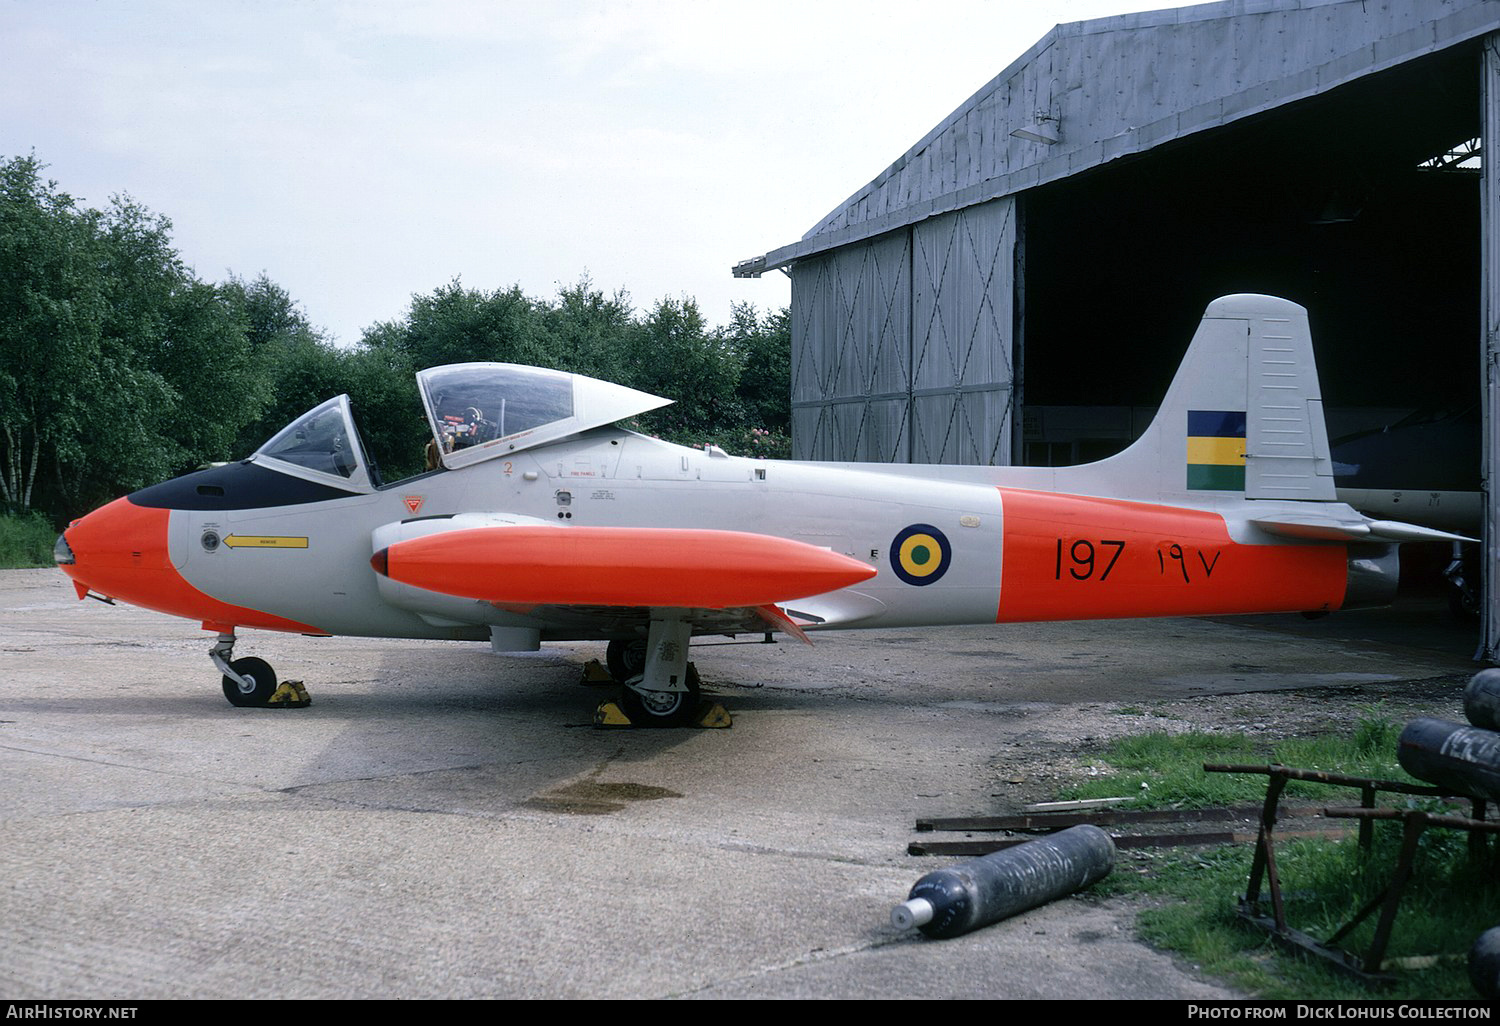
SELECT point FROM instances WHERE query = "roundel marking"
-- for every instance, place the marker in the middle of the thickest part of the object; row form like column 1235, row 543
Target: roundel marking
column 920, row 554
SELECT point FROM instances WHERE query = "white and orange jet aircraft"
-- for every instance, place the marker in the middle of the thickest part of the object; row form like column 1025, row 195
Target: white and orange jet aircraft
column 542, row 522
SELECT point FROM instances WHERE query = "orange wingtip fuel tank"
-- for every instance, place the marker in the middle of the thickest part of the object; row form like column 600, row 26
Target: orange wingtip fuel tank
column 619, row 566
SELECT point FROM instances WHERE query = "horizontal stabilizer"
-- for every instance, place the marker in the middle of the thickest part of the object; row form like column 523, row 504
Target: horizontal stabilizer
column 619, row 566
column 1394, row 530
column 1315, row 527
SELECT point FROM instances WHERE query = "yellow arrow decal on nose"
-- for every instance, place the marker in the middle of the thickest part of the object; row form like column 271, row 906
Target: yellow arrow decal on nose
column 264, row 541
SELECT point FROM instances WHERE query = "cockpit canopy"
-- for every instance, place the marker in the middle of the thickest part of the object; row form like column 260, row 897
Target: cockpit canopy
column 320, row 445
column 476, row 411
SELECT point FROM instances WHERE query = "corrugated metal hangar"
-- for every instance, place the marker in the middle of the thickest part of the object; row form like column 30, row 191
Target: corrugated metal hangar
column 1051, row 245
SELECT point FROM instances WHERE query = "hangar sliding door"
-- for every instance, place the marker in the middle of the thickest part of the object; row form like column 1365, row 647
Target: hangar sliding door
column 902, row 345
column 851, row 339
column 1489, row 216
column 962, row 335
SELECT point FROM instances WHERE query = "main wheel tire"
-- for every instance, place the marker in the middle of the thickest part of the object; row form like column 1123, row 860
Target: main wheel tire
column 259, row 675
column 661, row 708
column 1463, row 604
column 626, row 659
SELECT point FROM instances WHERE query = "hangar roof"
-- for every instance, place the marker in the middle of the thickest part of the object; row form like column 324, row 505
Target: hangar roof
column 1113, row 87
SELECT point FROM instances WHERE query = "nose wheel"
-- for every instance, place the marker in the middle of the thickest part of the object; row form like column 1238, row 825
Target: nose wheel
column 248, row 683
column 252, row 684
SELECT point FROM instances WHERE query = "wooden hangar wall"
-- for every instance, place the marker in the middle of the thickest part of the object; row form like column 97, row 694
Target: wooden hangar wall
column 901, row 345
column 1489, row 645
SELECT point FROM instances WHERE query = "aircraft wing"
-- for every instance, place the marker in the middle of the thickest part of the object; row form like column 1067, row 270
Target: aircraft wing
column 724, row 581
column 617, row 621
column 1319, row 527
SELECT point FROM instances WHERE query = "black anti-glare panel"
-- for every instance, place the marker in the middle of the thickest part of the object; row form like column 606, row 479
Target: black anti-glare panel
column 235, row 486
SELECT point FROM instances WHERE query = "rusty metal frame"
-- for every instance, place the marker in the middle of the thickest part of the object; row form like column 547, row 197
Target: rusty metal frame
column 1367, row 969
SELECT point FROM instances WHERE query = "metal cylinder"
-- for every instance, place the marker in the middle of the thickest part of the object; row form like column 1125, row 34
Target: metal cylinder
column 1482, row 699
column 949, row 902
column 1455, row 756
column 1484, row 963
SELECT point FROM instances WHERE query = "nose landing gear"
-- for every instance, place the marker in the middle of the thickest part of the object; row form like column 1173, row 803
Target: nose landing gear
column 247, row 682
column 250, row 682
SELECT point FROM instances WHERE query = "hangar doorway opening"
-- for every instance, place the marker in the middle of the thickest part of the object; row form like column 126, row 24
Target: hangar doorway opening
column 1331, row 202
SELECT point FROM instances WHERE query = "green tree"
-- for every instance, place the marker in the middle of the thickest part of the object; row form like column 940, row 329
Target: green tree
column 586, row 331
column 459, row 325
column 180, row 384
column 289, row 360
column 51, row 303
column 117, row 366
column 217, row 386
column 74, row 400
column 673, row 354
column 389, row 413
column 765, row 356
column 273, row 320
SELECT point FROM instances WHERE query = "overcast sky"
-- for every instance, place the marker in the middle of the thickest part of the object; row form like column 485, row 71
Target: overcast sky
column 359, row 152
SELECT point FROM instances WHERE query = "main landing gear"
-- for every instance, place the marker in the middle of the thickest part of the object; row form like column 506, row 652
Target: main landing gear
column 626, row 659
column 251, row 683
column 1464, row 599
column 659, row 687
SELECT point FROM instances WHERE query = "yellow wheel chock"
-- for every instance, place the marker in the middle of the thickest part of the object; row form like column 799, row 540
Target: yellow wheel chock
column 595, row 672
column 709, row 716
column 290, row 695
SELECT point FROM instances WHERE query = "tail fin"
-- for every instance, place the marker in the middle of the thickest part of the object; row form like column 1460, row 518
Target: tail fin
column 1244, row 415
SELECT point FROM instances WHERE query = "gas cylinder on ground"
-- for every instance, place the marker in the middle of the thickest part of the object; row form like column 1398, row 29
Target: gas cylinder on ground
column 952, row 901
column 1482, row 699
column 1455, row 756
column 1484, row 963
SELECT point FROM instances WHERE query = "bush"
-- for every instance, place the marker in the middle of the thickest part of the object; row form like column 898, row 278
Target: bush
column 25, row 540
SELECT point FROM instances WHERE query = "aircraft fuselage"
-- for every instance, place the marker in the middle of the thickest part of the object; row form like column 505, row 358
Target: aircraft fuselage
column 944, row 551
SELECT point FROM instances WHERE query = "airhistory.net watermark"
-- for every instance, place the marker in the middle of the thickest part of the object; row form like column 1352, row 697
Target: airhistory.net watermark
column 39, row 1010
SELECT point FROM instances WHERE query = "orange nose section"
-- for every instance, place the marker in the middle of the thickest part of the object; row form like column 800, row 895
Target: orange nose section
column 120, row 551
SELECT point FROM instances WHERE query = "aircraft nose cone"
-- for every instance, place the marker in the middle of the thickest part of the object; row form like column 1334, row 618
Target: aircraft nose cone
column 118, row 550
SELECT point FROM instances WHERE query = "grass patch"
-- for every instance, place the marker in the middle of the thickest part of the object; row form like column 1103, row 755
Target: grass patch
column 1164, row 770
column 1446, row 906
column 25, row 541
column 1195, row 892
